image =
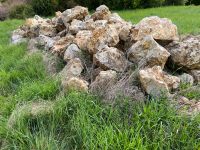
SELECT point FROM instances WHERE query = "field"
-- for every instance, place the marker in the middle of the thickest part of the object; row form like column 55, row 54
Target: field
column 82, row 121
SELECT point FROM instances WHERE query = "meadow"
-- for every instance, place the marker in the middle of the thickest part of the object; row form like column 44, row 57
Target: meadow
column 80, row 120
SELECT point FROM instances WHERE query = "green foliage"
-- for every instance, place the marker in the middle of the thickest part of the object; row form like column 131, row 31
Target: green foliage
column 21, row 11
column 44, row 7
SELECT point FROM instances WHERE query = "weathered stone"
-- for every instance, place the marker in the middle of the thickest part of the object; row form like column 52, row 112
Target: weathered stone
column 196, row 75
column 18, row 36
column 76, row 84
column 72, row 52
column 105, row 80
column 156, row 82
column 160, row 28
column 82, row 39
column 45, row 42
column 148, row 52
column 61, row 45
column 73, row 69
column 47, row 30
column 115, row 18
column 76, row 26
column 30, row 110
column 101, row 13
column 111, row 58
column 103, row 36
column 77, row 12
column 186, row 53
column 186, row 79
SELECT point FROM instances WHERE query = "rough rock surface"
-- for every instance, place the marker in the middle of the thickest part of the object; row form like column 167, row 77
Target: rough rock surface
column 186, row 53
column 111, row 58
column 76, row 26
column 148, row 52
column 18, row 37
column 72, row 52
column 105, row 80
column 156, row 82
column 77, row 12
column 160, row 28
column 102, row 13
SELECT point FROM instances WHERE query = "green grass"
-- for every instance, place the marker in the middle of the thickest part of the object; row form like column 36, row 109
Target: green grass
column 79, row 120
column 186, row 18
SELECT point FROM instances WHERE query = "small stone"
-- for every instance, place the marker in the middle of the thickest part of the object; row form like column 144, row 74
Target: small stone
column 186, row 79
column 196, row 75
column 76, row 26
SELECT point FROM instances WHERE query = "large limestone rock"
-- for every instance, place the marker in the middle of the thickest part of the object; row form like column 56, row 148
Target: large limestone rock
column 18, row 36
column 160, row 28
column 76, row 26
column 72, row 52
column 61, row 45
column 37, row 25
column 101, row 13
column 73, row 69
column 82, row 39
column 76, row 84
column 156, row 82
column 77, row 12
column 111, row 58
column 30, row 111
column 105, row 80
column 186, row 53
column 103, row 36
column 148, row 52
column 58, row 22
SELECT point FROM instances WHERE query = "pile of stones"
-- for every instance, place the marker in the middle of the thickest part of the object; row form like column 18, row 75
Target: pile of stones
column 105, row 54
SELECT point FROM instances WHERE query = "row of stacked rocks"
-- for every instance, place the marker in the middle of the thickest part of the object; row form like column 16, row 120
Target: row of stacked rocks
column 108, row 47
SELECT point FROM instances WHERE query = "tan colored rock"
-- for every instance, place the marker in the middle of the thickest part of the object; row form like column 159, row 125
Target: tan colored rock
column 160, row 28
column 76, row 26
column 196, row 75
column 105, row 80
column 76, row 84
column 18, row 36
column 156, row 82
column 103, row 36
column 186, row 53
column 82, row 39
column 73, row 69
column 148, row 52
column 111, row 58
column 77, row 12
column 72, row 52
column 102, row 13
column 61, row 45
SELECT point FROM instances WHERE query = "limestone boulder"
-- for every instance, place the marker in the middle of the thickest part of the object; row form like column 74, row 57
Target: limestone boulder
column 102, row 13
column 18, row 36
column 105, row 80
column 160, row 28
column 103, row 36
column 76, row 84
column 72, row 52
column 148, row 52
column 77, row 12
column 156, row 82
column 62, row 44
column 82, row 38
column 76, row 26
column 58, row 22
column 111, row 58
column 186, row 53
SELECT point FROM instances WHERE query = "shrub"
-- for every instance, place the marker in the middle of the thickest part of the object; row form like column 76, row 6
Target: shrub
column 21, row 11
column 44, row 7
column 175, row 2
